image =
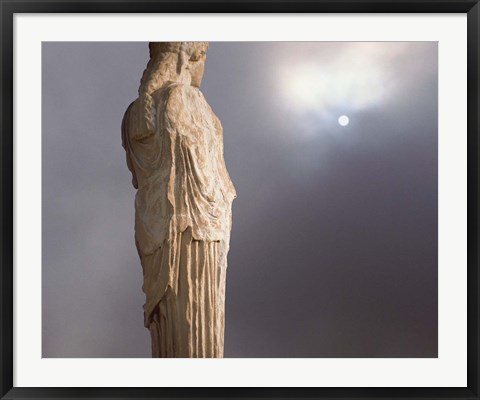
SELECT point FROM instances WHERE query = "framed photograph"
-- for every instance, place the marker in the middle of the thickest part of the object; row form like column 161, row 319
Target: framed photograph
column 327, row 152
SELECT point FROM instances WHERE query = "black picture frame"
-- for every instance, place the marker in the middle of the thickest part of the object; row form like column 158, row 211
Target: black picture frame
column 9, row 7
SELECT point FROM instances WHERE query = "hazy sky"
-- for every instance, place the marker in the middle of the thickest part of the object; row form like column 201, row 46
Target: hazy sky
column 334, row 241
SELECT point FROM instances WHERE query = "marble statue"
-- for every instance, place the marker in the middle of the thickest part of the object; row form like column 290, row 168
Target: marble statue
column 174, row 150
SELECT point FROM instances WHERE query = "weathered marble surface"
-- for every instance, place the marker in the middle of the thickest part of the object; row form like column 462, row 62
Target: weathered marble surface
column 174, row 148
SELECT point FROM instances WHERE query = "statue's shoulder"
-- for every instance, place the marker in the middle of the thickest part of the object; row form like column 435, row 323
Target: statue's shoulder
column 184, row 93
column 185, row 101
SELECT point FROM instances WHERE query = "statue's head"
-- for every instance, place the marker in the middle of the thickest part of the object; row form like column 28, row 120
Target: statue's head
column 190, row 59
column 180, row 62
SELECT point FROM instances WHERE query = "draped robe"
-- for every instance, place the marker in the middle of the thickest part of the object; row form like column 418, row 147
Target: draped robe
column 182, row 220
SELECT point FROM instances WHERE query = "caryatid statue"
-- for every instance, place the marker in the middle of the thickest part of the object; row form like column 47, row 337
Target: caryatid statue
column 174, row 148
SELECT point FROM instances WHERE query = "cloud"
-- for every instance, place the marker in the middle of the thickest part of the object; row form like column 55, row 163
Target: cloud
column 331, row 79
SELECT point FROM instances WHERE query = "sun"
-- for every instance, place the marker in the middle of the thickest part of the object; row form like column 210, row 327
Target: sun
column 343, row 120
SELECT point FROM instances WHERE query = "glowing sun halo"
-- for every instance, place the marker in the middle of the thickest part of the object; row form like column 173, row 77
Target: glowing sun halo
column 343, row 120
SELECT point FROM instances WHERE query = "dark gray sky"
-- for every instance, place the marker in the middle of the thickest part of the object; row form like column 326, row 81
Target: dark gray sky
column 334, row 241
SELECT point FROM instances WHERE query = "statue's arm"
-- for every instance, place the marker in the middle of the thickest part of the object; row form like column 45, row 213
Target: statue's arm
column 141, row 118
column 126, row 143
